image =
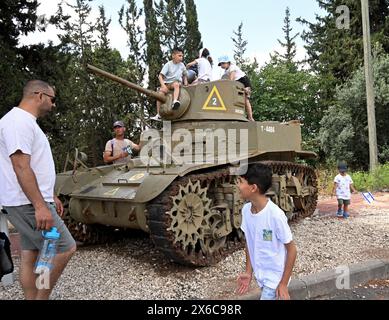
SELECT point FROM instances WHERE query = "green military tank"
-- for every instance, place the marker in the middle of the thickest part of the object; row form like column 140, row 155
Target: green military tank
column 182, row 188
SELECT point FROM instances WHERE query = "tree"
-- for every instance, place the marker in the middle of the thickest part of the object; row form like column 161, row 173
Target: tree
column 193, row 41
column 289, row 45
column 16, row 18
column 240, row 46
column 344, row 131
column 154, row 55
column 335, row 51
column 171, row 14
column 284, row 94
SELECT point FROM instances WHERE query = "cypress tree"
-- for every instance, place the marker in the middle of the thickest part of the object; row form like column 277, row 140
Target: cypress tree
column 154, row 55
column 193, row 41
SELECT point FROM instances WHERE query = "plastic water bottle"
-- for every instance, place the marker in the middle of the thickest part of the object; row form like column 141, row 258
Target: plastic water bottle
column 128, row 149
column 48, row 252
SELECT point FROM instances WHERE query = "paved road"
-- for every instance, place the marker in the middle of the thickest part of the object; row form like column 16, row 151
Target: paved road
column 374, row 290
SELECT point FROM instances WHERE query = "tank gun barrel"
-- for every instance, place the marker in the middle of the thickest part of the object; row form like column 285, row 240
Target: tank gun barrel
column 126, row 83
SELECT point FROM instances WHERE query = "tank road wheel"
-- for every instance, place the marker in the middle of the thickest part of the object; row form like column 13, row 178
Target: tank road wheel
column 87, row 234
column 308, row 202
column 186, row 224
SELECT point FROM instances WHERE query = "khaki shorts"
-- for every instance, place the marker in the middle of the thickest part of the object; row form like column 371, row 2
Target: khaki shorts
column 23, row 219
column 342, row 202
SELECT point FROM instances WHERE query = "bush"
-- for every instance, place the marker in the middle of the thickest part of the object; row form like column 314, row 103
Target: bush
column 363, row 181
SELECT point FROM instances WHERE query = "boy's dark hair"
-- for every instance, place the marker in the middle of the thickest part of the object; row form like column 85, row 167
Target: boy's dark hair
column 177, row 50
column 259, row 174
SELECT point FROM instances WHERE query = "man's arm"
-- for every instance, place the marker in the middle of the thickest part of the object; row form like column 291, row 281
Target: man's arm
column 108, row 158
column 27, row 180
column 291, row 254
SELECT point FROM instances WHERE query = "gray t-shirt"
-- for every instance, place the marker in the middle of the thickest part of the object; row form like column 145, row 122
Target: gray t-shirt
column 173, row 72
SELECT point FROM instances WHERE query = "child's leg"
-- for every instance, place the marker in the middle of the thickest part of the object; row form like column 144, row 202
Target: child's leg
column 158, row 102
column 249, row 109
column 176, row 88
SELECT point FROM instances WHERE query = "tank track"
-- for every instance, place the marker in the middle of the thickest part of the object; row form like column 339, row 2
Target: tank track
column 88, row 234
column 159, row 222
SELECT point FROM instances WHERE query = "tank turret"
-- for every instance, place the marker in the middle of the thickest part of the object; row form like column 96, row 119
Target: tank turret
column 218, row 100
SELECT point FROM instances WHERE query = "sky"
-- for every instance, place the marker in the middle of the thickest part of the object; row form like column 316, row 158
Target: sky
column 262, row 24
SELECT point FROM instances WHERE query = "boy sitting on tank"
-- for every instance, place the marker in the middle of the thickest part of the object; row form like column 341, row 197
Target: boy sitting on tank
column 171, row 77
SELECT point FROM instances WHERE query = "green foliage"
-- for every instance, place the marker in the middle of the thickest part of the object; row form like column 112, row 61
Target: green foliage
column 289, row 45
column 171, row 16
column 240, row 47
column 193, row 41
column 284, row 93
column 344, row 131
column 377, row 180
column 154, row 55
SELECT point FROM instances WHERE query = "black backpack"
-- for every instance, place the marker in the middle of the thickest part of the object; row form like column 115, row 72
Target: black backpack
column 6, row 264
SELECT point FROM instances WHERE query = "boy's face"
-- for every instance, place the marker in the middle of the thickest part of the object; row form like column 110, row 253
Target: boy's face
column 247, row 191
column 178, row 57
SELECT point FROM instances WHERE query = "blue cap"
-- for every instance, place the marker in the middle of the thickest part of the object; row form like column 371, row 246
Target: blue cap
column 224, row 59
column 342, row 167
column 52, row 234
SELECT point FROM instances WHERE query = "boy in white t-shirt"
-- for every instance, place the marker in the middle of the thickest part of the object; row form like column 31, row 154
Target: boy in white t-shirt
column 270, row 249
column 343, row 184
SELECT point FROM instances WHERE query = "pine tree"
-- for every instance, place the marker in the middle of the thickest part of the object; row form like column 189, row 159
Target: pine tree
column 289, row 45
column 193, row 41
column 154, row 55
column 240, row 46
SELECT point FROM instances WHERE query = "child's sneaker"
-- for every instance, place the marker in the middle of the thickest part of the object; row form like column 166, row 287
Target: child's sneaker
column 156, row 118
column 176, row 104
column 346, row 215
column 339, row 214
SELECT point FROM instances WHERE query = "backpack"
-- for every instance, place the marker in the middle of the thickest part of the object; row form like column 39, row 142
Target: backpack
column 6, row 263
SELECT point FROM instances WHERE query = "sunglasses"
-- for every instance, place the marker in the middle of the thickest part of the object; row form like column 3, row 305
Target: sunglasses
column 52, row 98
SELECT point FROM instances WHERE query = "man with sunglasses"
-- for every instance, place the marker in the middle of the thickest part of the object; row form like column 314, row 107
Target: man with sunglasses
column 119, row 150
column 27, row 175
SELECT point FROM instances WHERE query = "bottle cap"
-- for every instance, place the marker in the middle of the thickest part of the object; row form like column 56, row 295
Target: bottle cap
column 52, row 234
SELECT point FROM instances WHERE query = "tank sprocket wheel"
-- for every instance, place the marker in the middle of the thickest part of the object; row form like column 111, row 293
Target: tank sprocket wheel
column 183, row 223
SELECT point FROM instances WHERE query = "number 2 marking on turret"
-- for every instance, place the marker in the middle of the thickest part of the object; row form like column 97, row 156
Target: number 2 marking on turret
column 214, row 102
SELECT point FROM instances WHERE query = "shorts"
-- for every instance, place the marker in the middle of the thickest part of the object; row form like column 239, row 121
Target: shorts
column 268, row 294
column 247, row 85
column 23, row 219
column 342, row 202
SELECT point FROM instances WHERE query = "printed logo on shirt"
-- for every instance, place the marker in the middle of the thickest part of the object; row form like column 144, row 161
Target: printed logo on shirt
column 267, row 235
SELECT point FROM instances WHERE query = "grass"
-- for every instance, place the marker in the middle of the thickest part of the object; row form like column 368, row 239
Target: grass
column 363, row 181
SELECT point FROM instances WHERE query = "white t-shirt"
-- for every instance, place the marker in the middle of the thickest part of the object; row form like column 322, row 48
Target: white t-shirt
column 174, row 72
column 343, row 186
column 266, row 234
column 19, row 131
column 119, row 146
column 205, row 69
column 238, row 72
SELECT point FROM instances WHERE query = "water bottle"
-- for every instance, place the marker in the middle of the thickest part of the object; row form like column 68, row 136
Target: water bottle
column 128, row 149
column 48, row 252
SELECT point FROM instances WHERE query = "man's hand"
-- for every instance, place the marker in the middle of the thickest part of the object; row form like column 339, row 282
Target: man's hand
column 59, row 206
column 244, row 281
column 44, row 219
column 282, row 292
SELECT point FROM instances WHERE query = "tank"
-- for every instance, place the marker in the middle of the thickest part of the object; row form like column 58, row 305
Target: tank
column 182, row 188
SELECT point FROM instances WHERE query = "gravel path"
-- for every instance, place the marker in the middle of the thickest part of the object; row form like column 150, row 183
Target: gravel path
column 133, row 269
